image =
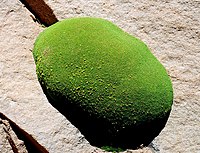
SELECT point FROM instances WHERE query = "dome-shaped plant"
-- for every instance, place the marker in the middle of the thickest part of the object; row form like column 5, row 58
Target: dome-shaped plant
column 104, row 80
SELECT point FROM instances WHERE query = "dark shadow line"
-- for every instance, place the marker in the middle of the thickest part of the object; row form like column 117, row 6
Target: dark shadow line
column 42, row 12
column 31, row 144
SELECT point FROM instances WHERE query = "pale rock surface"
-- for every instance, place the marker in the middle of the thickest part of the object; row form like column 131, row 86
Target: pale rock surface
column 171, row 28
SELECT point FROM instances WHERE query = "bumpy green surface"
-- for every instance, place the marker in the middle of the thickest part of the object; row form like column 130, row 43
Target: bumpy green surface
column 107, row 72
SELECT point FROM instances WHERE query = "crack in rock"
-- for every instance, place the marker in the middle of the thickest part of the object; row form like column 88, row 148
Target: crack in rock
column 16, row 145
column 19, row 140
column 42, row 12
column 12, row 138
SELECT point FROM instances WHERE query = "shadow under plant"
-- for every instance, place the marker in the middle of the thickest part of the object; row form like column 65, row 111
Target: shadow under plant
column 117, row 94
column 99, row 132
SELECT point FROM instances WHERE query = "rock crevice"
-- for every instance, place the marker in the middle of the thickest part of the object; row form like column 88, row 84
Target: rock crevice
column 42, row 12
column 19, row 140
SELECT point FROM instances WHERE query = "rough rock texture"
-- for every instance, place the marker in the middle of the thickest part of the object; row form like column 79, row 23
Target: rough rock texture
column 169, row 27
column 4, row 143
column 9, row 141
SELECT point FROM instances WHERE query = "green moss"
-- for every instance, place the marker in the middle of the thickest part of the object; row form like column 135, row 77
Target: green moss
column 104, row 70
column 112, row 149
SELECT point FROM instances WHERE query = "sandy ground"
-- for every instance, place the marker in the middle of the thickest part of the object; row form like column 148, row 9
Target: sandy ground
column 171, row 29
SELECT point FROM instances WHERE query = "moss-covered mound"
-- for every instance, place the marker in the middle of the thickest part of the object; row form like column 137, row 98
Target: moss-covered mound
column 105, row 75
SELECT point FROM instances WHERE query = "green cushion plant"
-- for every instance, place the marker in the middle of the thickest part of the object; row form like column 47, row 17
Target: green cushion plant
column 108, row 74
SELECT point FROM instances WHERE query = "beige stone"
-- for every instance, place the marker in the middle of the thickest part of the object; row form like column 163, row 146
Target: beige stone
column 171, row 30
column 9, row 141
